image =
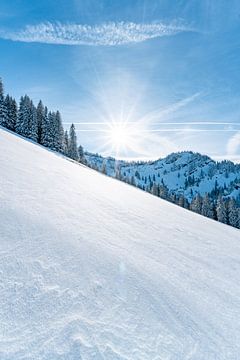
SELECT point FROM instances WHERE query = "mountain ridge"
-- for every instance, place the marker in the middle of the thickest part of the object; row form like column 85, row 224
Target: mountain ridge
column 202, row 166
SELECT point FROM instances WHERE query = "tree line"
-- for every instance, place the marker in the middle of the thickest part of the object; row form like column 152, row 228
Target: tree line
column 213, row 205
column 38, row 124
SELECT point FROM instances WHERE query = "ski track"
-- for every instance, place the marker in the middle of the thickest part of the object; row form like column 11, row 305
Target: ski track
column 94, row 269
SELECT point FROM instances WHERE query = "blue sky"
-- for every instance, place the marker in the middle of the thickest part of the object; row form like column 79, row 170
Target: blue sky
column 170, row 69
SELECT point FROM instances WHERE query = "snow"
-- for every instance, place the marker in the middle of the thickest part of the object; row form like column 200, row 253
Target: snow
column 92, row 268
column 174, row 170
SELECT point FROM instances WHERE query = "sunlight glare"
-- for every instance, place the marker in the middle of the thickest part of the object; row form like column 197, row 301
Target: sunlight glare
column 119, row 135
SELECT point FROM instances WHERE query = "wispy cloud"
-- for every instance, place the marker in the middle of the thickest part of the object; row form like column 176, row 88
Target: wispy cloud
column 106, row 34
column 233, row 145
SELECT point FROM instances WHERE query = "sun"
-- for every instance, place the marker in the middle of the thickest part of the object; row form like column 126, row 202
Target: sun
column 119, row 136
column 122, row 137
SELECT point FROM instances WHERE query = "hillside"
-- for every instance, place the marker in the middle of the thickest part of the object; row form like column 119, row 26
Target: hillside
column 93, row 269
column 184, row 173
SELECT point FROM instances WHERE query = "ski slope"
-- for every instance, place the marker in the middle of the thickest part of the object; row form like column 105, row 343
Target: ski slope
column 94, row 269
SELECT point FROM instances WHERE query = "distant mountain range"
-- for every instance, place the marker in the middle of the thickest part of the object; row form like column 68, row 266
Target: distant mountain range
column 184, row 173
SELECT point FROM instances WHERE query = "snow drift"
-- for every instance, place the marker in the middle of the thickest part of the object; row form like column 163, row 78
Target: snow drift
column 92, row 268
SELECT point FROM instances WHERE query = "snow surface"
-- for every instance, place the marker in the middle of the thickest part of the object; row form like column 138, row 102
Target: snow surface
column 92, row 268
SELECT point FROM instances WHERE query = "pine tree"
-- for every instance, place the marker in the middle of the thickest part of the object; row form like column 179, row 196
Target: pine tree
column 65, row 143
column 163, row 192
column 233, row 213
column 207, row 207
column 7, row 103
column 40, row 122
column 72, row 151
column 181, row 201
column 104, row 168
column 3, row 110
column 46, row 137
column 22, row 124
column 51, row 130
column 32, row 122
column 81, row 155
column 11, row 113
column 58, row 132
column 196, row 204
column 222, row 210
column 155, row 189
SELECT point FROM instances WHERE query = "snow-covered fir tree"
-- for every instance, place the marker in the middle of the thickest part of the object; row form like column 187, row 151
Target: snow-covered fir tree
column 45, row 131
column 155, row 189
column 196, row 204
column 40, row 121
column 104, row 168
column 11, row 113
column 222, row 210
column 81, row 154
column 233, row 213
column 22, row 124
column 58, row 132
column 207, row 207
column 32, row 122
column 65, row 143
column 3, row 110
column 51, row 130
column 72, row 148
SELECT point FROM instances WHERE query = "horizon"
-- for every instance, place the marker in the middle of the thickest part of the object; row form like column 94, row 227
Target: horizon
column 163, row 75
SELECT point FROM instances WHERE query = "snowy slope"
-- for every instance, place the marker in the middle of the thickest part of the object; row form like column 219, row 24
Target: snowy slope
column 92, row 268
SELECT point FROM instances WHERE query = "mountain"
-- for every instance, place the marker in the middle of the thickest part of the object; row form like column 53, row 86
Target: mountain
column 93, row 269
column 184, row 173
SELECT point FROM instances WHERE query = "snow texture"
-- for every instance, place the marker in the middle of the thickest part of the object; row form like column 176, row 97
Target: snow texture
column 94, row 269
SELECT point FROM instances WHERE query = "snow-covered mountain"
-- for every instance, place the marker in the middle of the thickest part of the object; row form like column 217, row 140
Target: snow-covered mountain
column 92, row 268
column 184, row 173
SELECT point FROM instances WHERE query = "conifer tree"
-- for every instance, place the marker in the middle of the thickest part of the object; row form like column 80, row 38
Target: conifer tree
column 3, row 109
column 46, row 129
column 81, row 155
column 163, row 191
column 72, row 149
column 22, row 124
column 58, row 132
column 11, row 113
column 40, row 121
column 7, row 102
column 222, row 210
column 32, row 122
column 233, row 214
column 196, row 204
column 51, row 130
column 155, row 189
column 104, row 168
column 65, row 143
column 207, row 207
column 181, row 201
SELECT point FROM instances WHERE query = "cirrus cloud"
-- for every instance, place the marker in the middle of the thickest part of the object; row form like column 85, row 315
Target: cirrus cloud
column 106, row 34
